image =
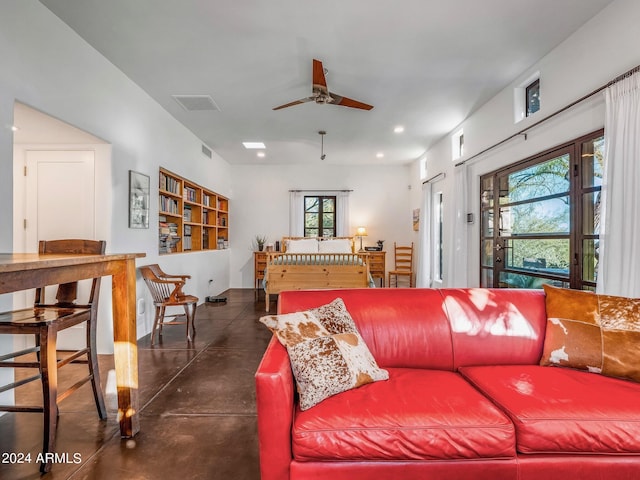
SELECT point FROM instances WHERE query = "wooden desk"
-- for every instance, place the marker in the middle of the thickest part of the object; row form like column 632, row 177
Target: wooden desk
column 22, row 271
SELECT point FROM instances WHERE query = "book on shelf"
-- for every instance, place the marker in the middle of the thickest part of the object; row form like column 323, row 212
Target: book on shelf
column 168, row 237
column 223, row 243
column 189, row 194
column 186, row 215
column 169, row 184
column 169, row 205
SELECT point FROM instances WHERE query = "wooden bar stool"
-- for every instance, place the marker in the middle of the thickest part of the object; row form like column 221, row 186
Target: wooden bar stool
column 44, row 322
column 166, row 291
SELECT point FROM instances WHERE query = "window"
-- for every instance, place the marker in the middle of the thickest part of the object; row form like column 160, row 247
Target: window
column 457, row 145
column 319, row 216
column 532, row 97
column 526, row 97
column 423, row 168
column 540, row 218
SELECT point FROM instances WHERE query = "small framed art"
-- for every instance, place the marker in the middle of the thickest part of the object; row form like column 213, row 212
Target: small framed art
column 139, row 185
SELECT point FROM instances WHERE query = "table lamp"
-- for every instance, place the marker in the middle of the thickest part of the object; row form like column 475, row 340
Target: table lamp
column 361, row 232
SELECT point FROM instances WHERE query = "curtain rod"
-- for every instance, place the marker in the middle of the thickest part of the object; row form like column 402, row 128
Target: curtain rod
column 320, row 190
column 563, row 109
column 441, row 174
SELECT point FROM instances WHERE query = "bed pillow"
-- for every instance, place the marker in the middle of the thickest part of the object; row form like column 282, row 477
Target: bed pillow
column 328, row 356
column 598, row 333
column 305, row 245
column 336, row 245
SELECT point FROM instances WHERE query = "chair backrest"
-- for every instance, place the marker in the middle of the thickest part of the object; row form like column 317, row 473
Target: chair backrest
column 67, row 292
column 160, row 291
column 403, row 257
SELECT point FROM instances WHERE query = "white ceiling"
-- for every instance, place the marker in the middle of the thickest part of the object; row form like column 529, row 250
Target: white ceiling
column 423, row 64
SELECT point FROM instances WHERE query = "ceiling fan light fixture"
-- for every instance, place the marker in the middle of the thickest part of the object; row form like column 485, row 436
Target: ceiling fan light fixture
column 320, row 93
column 322, row 133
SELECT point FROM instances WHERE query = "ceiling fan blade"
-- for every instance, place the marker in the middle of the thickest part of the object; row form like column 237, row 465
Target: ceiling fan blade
column 296, row 102
column 319, row 80
column 349, row 102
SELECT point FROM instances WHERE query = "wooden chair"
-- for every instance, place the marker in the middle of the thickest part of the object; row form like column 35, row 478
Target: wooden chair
column 44, row 322
column 166, row 291
column 403, row 263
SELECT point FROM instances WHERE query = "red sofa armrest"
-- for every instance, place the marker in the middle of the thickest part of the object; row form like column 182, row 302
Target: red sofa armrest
column 274, row 402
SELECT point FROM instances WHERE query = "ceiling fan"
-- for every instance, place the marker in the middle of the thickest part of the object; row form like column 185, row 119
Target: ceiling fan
column 321, row 94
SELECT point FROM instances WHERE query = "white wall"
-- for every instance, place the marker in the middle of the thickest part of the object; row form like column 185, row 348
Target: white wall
column 600, row 50
column 49, row 67
column 379, row 201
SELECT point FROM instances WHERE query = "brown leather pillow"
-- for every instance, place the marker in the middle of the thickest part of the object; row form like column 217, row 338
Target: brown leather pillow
column 598, row 333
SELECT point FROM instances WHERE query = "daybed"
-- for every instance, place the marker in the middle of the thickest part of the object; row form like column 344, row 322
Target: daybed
column 466, row 395
column 306, row 263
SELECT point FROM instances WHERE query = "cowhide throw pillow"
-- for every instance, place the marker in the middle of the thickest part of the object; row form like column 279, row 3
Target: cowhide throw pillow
column 327, row 353
column 598, row 333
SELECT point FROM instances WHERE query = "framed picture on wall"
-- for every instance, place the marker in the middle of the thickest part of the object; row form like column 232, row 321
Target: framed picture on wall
column 138, row 200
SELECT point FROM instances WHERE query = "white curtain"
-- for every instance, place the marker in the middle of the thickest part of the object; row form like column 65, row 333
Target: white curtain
column 296, row 213
column 342, row 214
column 423, row 275
column 619, row 261
column 457, row 274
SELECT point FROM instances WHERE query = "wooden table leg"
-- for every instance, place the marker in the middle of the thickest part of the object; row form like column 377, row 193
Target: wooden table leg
column 125, row 347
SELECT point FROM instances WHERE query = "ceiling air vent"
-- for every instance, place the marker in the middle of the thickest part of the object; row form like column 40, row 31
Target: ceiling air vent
column 195, row 103
column 206, row 150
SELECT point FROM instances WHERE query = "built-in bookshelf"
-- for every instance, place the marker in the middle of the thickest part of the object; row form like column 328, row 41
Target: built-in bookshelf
column 191, row 218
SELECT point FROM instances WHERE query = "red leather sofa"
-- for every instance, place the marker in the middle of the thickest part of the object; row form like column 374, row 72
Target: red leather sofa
column 466, row 397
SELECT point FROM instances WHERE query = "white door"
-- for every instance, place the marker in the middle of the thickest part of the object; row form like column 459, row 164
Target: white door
column 60, row 203
column 60, row 198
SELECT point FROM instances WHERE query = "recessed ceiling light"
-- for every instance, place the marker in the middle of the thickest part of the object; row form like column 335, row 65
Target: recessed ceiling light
column 253, row 145
column 14, row 128
column 379, row 155
column 261, row 154
column 398, row 129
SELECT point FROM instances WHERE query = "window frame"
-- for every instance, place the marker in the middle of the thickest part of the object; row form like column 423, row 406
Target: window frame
column 457, row 145
column 527, row 100
column 490, row 215
column 321, row 229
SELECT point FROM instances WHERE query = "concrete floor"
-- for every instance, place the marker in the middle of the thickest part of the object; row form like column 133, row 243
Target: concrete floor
column 197, row 418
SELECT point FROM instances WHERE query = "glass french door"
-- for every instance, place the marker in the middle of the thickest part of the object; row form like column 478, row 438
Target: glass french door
column 540, row 219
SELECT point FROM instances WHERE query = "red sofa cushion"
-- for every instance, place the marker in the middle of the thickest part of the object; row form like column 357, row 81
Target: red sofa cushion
column 403, row 328
column 560, row 410
column 497, row 326
column 417, row 414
